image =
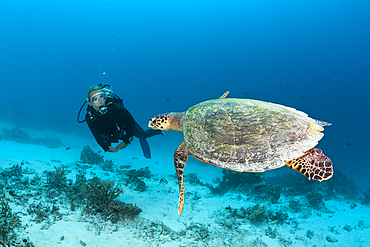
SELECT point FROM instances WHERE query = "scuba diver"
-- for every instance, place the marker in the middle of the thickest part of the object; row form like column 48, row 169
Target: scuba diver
column 109, row 121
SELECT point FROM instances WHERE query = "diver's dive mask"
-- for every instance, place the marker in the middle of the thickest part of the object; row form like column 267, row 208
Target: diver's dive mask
column 99, row 99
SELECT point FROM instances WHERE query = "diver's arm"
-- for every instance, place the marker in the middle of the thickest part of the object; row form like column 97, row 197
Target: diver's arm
column 130, row 125
column 126, row 121
column 97, row 136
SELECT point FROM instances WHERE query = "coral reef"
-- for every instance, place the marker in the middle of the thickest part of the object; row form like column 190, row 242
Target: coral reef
column 257, row 243
column 255, row 215
column 136, row 184
column 141, row 173
column 339, row 187
column 366, row 199
column 300, row 206
column 21, row 136
column 100, row 194
column 192, row 178
column 267, row 192
column 57, row 179
column 42, row 212
column 8, row 222
column 133, row 180
column 108, row 165
column 310, row 234
column 90, row 157
column 150, row 231
column 315, row 199
column 271, row 233
column 199, row 231
column 75, row 192
column 238, row 181
column 331, row 239
column 50, row 197
column 49, row 142
column 13, row 171
column 101, row 198
column 16, row 135
column 251, row 184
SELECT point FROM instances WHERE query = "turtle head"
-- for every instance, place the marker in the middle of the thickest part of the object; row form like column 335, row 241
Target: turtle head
column 170, row 121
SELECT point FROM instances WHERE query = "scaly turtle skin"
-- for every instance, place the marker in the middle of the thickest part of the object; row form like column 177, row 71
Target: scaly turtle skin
column 247, row 136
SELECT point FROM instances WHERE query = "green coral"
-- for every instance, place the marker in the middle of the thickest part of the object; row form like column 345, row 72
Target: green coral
column 237, row 181
column 49, row 142
column 90, row 157
column 248, row 183
column 133, row 180
column 8, row 222
column 315, row 199
column 101, row 194
column 41, row 212
column 267, row 192
column 136, row 184
column 14, row 171
column 75, row 192
column 57, row 178
column 108, row 165
column 366, row 199
column 101, row 197
column 21, row 136
column 258, row 214
column 16, row 135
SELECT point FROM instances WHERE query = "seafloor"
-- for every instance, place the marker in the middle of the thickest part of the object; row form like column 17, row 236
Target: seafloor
column 60, row 190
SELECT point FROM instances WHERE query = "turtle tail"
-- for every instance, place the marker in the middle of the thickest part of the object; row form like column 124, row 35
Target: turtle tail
column 313, row 164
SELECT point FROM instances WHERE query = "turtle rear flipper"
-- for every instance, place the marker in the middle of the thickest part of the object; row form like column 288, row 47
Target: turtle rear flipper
column 313, row 164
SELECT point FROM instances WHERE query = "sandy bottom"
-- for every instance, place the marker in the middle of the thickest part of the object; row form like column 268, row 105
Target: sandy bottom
column 205, row 220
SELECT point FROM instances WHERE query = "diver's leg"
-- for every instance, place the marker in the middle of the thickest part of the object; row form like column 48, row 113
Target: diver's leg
column 152, row 132
column 139, row 133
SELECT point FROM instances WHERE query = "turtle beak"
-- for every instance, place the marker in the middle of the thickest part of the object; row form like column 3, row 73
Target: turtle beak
column 158, row 122
column 152, row 123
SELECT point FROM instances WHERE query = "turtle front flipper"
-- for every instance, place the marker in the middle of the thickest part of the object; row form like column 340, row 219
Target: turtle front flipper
column 180, row 158
column 313, row 164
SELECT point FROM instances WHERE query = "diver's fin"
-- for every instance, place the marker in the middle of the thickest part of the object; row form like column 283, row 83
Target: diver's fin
column 145, row 147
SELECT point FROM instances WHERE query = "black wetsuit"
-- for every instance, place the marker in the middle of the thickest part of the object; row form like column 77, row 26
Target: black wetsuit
column 117, row 124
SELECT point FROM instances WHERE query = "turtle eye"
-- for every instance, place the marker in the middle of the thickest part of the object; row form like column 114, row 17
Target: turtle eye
column 163, row 118
column 154, row 121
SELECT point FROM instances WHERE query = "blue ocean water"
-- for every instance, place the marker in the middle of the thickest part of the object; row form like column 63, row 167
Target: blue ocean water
column 163, row 56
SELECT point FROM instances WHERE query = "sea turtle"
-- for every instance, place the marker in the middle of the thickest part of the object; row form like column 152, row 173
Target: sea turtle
column 247, row 135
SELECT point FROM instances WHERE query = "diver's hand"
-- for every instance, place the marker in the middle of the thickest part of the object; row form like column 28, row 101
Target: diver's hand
column 112, row 150
column 120, row 146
